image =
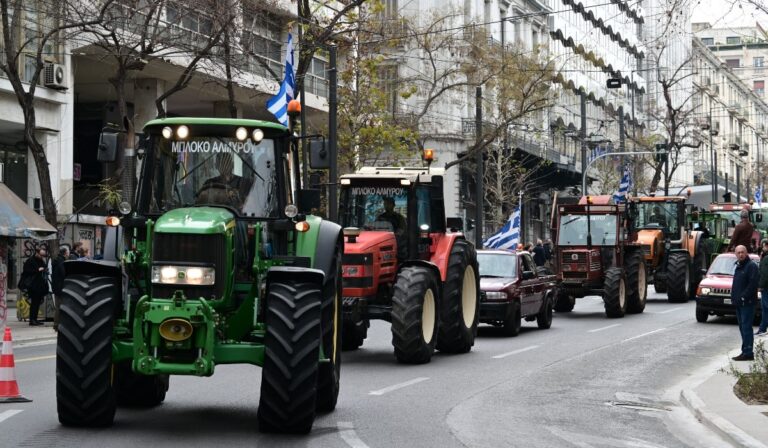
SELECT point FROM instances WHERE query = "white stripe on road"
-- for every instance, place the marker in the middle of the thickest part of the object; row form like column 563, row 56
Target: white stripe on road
column 603, row 328
column 504, row 355
column 348, row 434
column 8, row 414
column 37, row 358
column 644, row 334
column 668, row 311
column 398, row 386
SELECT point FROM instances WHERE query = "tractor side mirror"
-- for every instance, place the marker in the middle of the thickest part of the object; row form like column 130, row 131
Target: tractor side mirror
column 107, row 147
column 759, row 217
column 319, row 156
column 455, row 224
column 309, row 198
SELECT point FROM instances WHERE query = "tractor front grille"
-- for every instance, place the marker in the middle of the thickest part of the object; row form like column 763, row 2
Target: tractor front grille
column 181, row 249
column 574, row 257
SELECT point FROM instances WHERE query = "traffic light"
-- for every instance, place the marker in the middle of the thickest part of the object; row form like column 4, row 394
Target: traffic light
column 661, row 153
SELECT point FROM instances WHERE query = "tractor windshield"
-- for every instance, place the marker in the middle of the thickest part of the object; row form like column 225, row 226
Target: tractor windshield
column 652, row 215
column 215, row 171
column 573, row 230
column 374, row 208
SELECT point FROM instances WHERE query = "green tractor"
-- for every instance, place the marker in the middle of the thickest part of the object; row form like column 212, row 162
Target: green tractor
column 216, row 261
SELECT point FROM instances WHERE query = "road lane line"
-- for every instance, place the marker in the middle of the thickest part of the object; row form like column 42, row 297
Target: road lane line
column 603, row 328
column 398, row 386
column 8, row 414
column 644, row 334
column 504, row 355
column 36, row 358
column 348, row 434
column 668, row 311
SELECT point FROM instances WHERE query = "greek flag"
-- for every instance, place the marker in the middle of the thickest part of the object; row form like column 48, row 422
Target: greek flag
column 626, row 181
column 509, row 235
column 278, row 104
column 759, row 194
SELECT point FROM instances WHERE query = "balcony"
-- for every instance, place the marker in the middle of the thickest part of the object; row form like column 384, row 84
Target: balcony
column 744, row 150
column 734, row 107
column 734, row 143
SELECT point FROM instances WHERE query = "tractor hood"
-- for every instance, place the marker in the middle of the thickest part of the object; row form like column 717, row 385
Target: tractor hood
column 649, row 236
column 367, row 240
column 196, row 220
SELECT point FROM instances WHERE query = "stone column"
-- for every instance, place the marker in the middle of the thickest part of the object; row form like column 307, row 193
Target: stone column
column 144, row 94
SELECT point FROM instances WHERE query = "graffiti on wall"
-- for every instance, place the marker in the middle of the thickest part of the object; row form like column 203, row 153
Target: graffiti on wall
column 31, row 246
column 3, row 280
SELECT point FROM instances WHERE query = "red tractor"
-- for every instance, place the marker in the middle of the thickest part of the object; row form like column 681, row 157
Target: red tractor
column 405, row 263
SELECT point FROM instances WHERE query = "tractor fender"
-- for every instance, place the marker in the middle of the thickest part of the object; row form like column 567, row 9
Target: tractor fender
column 442, row 253
column 284, row 273
column 424, row 264
column 692, row 242
column 319, row 243
column 93, row 268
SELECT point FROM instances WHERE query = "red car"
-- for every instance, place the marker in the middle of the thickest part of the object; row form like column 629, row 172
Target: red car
column 512, row 289
column 713, row 296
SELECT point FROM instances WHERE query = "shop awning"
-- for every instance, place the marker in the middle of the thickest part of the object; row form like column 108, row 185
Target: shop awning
column 18, row 220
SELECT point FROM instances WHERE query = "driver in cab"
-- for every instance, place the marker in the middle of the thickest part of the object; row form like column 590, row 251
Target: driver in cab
column 226, row 188
column 657, row 217
column 391, row 216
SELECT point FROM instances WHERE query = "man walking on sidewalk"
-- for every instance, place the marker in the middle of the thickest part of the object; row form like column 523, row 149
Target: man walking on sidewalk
column 763, row 290
column 743, row 297
column 57, row 282
column 37, row 284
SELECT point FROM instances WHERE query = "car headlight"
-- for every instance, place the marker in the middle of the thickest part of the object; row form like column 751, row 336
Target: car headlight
column 705, row 291
column 496, row 295
column 183, row 275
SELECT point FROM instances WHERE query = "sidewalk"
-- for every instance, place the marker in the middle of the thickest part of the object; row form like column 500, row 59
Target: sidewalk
column 23, row 333
column 713, row 402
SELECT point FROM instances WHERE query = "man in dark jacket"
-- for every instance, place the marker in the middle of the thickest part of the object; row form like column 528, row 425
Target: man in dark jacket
column 36, row 283
column 763, row 290
column 742, row 234
column 743, row 297
column 539, row 256
column 57, row 282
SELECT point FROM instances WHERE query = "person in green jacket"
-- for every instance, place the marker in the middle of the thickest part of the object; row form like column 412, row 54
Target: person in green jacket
column 762, row 287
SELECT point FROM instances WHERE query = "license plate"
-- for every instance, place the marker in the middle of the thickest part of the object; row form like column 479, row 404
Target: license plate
column 727, row 301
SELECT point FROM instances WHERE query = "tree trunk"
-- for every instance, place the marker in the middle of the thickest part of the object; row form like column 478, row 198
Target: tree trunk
column 41, row 162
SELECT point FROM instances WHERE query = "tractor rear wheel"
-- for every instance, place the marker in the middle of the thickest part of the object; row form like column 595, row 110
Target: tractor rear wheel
column 660, row 282
column 460, row 304
column 292, row 349
column 414, row 315
column 329, row 373
column 678, row 277
column 84, row 393
column 564, row 302
column 637, row 289
column 135, row 389
column 353, row 334
column 698, row 268
column 615, row 293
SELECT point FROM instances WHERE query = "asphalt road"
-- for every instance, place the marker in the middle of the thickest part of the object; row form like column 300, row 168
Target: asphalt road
column 588, row 381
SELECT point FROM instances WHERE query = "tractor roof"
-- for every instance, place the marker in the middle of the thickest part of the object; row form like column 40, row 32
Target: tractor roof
column 659, row 198
column 422, row 174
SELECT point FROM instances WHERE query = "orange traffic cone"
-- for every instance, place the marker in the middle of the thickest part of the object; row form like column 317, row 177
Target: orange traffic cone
column 9, row 389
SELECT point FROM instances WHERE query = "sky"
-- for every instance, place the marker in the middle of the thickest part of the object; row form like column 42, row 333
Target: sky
column 724, row 13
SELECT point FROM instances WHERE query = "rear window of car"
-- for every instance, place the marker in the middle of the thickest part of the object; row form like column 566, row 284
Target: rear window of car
column 497, row 265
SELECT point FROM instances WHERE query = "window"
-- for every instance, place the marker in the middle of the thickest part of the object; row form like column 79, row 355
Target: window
column 759, row 87
column 317, row 78
column 758, row 61
column 733, row 40
column 708, row 41
column 388, row 79
column 733, row 63
column 262, row 41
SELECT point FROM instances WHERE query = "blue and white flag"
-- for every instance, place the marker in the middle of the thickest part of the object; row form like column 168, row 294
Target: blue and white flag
column 759, row 194
column 278, row 104
column 626, row 181
column 509, row 235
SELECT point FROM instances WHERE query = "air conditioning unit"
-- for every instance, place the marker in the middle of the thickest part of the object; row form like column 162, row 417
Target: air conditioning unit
column 54, row 76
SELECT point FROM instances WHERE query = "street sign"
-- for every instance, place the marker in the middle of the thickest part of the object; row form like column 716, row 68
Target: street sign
column 613, row 83
column 661, row 152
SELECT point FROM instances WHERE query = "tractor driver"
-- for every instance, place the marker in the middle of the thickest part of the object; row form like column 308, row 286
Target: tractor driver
column 391, row 216
column 657, row 217
column 226, row 188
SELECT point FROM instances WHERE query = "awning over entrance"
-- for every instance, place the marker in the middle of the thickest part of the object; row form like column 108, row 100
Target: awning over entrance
column 17, row 220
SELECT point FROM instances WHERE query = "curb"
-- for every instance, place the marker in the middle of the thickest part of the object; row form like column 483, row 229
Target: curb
column 727, row 430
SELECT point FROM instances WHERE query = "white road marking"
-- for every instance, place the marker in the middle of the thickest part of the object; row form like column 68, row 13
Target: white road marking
column 504, row 355
column 398, row 386
column 348, row 434
column 668, row 311
column 603, row 328
column 644, row 334
column 36, row 358
column 8, row 414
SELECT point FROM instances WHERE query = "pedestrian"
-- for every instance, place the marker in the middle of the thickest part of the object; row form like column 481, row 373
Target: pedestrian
column 529, row 247
column 743, row 297
column 548, row 252
column 539, row 255
column 57, row 282
column 77, row 247
column 763, row 290
column 84, row 253
column 36, row 284
column 742, row 234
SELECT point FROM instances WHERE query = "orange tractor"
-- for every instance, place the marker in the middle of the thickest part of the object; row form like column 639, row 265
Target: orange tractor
column 405, row 263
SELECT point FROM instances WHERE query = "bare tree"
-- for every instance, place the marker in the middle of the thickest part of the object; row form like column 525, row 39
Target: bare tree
column 30, row 30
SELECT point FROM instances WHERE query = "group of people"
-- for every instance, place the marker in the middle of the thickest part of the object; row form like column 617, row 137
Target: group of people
column 41, row 276
column 542, row 251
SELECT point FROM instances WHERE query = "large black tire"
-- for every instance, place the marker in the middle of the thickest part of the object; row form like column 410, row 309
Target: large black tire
column 414, row 315
column 329, row 373
column 291, row 357
column 701, row 315
column 637, row 288
column 135, row 389
column 615, row 293
column 460, row 304
column 84, row 393
column 511, row 325
column 699, row 264
column 544, row 318
column 660, row 283
column 678, row 277
column 353, row 334
column 564, row 302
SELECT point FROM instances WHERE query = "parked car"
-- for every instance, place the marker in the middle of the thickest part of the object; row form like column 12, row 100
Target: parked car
column 713, row 296
column 512, row 289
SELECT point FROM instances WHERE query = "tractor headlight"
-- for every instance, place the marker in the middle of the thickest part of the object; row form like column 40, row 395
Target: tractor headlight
column 183, row 275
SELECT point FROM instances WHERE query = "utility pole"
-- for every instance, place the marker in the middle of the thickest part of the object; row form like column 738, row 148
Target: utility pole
column 713, row 169
column 738, row 183
column 666, row 172
column 479, row 187
column 622, row 140
column 583, row 139
column 333, row 104
column 302, row 116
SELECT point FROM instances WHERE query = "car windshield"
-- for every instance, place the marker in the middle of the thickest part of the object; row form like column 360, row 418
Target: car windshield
column 215, row 171
column 573, row 230
column 725, row 265
column 374, row 208
column 497, row 265
column 656, row 215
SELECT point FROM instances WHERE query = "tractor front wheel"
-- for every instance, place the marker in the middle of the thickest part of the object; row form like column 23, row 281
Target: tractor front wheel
column 292, row 349
column 353, row 334
column 414, row 315
column 460, row 304
column 84, row 393
column 329, row 373
column 678, row 277
column 660, row 282
column 135, row 389
column 636, row 284
column 564, row 302
column 615, row 295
